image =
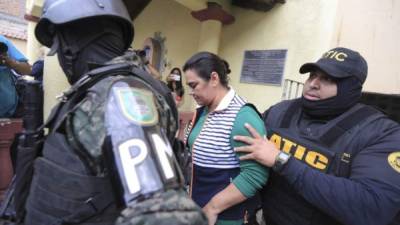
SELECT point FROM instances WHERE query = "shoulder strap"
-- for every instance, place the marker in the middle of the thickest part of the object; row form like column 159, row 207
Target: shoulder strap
column 254, row 107
column 346, row 123
column 68, row 98
column 195, row 119
column 332, row 135
column 57, row 118
column 287, row 117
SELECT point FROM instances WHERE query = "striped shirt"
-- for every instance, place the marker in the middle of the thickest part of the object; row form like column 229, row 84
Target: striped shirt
column 212, row 147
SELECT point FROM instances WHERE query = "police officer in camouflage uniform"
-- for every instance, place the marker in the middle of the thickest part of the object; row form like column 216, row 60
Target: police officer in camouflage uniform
column 108, row 146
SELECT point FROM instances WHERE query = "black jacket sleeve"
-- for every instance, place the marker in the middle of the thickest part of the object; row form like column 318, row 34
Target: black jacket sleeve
column 371, row 195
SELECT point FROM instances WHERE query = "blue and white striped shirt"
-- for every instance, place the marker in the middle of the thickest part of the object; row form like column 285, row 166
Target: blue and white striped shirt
column 213, row 148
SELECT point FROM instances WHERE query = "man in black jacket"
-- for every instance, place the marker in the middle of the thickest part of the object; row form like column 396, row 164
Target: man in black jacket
column 335, row 161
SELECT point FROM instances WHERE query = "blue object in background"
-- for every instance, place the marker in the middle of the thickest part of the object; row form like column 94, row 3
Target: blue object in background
column 8, row 93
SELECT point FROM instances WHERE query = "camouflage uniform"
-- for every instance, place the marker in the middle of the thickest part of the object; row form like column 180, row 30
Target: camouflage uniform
column 108, row 145
column 88, row 121
column 172, row 207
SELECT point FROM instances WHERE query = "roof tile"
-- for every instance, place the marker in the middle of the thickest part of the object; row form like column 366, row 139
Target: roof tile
column 12, row 23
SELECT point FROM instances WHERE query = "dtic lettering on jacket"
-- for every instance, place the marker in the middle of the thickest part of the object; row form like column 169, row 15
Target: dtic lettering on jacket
column 313, row 158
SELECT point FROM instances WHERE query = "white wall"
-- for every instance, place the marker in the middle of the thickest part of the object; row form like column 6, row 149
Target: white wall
column 179, row 28
column 304, row 27
column 373, row 28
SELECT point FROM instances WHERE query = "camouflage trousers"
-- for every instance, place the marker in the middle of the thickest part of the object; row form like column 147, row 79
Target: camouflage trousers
column 173, row 207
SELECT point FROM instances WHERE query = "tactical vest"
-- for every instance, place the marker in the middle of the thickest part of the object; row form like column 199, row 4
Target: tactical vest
column 329, row 150
column 63, row 191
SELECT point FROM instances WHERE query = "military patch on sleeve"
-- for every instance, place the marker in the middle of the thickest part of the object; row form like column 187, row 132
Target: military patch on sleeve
column 137, row 105
column 394, row 161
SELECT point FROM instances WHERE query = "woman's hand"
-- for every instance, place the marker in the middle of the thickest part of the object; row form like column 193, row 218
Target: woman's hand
column 258, row 148
column 223, row 200
column 211, row 214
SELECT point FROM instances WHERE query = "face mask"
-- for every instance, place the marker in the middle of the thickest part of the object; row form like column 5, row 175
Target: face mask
column 175, row 77
column 65, row 57
column 348, row 94
column 77, row 50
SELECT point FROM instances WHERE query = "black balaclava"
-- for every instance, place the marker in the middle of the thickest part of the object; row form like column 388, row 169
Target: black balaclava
column 348, row 94
column 87, row 42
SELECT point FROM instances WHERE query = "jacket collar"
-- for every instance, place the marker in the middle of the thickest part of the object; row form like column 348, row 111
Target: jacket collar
column 226, row 100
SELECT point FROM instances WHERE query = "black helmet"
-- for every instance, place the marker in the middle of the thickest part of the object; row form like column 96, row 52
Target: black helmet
column 58, row 12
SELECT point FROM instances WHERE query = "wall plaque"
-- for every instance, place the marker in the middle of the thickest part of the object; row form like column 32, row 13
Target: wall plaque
column 263, row 66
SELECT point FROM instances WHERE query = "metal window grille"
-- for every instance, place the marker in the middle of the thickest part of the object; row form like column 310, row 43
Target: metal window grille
column 292, row 89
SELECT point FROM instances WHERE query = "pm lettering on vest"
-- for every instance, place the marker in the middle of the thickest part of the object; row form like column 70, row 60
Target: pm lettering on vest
column 312, row 158
column 129, row 163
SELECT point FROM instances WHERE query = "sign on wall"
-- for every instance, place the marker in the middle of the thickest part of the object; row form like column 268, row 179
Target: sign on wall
column 263, row 66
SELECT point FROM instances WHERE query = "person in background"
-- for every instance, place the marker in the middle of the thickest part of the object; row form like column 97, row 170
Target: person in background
column 174, row 82
column 334, row 160
column 221, row 185
column 11, row 61
column 37, row 70
column 37, row 66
